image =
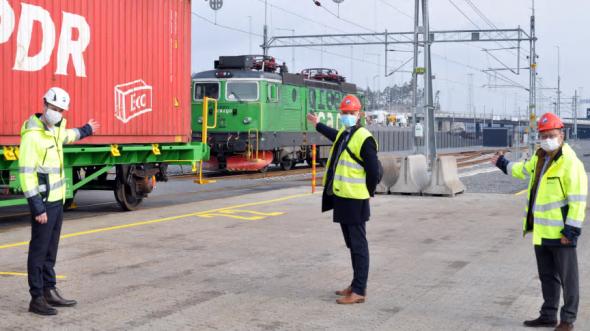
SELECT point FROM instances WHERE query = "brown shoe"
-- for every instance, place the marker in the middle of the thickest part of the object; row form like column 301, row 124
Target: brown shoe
column 351, row 299
column 346, row 292
column 565, row 326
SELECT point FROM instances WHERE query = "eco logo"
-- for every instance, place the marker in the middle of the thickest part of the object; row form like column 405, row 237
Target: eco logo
column 132, row 99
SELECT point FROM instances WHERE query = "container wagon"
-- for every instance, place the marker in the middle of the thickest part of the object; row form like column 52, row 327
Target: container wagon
column 125, row 64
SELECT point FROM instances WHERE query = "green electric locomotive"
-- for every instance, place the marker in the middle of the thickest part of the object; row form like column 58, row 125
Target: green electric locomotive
column 261, row 113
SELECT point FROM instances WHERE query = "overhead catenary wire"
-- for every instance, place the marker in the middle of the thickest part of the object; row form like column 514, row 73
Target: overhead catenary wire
column 397, row 9
column 259, row 35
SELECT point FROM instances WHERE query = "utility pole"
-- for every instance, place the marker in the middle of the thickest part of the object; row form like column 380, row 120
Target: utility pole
column 428, row 102
column 415, row 74
column 532, row 86
column 265, row 30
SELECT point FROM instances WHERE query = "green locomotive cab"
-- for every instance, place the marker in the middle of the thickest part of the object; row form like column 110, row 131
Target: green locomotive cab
column 261, row 114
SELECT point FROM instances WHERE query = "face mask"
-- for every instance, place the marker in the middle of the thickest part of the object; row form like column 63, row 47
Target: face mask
column 52, row 117
column 551, row 144
column 348, row 120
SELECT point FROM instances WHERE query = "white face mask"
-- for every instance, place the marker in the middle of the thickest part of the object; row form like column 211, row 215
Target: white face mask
column 551, row 144
column 52, row 117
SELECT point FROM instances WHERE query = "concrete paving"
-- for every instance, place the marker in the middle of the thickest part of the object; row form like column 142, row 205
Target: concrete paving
column 271, row 261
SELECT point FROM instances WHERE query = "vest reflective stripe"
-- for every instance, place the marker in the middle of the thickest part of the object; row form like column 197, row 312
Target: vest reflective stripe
column 576, row 198
column 547, row 222
column 32, row 192
column 573, row 222
column 58, row 184
column 509, row 168
column 77, row 132
column 350, row 180
column 43, row 170
column 354, row 165
column 550, row 206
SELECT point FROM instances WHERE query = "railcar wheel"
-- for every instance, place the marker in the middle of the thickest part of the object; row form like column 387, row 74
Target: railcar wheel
column 127, row 198
column 287, row 164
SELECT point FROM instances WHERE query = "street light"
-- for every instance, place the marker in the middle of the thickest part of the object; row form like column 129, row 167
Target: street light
column 292, row 48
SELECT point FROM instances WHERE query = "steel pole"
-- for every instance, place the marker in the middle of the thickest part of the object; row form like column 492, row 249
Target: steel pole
column 415, row 75
column 428, row 104
column 532, row 87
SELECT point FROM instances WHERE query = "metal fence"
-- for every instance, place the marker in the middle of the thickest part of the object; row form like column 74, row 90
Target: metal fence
column 392, row 139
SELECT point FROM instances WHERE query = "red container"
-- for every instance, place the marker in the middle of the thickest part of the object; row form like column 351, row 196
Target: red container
column 125, row 63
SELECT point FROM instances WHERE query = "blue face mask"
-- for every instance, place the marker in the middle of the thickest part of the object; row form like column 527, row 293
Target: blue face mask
column 348, row 120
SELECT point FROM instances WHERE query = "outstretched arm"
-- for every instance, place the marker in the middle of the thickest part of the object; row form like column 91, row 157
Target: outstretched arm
column 325, row 130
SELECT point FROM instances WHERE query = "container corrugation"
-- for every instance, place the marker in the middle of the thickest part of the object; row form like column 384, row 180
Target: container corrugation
column 133, row 76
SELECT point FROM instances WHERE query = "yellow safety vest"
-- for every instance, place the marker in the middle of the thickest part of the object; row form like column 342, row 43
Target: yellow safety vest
column 564, row 183
column 41, row 158
column 349, row 176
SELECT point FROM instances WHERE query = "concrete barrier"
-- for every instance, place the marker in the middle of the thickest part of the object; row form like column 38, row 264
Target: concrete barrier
column 413, row 177
column 445, row 178
column 391, row 165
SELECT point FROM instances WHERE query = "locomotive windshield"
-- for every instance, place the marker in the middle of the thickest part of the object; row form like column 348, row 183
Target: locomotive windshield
column 242, row 91
column 210, row 90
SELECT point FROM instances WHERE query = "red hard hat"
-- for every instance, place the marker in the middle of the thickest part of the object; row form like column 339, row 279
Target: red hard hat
column 350, row 103
column 549, row 121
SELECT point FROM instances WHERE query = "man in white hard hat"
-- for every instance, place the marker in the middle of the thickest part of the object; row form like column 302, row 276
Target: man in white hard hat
column 42, row 176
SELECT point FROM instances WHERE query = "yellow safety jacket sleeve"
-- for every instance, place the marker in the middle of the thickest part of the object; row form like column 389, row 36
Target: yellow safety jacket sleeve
column 28, row 163
column 576, row 190
column 72, row 135
column 521, row 169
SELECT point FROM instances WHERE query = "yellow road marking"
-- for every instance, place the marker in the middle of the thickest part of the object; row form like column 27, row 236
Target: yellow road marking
column 521, row 192
column 245, row 218
column 165, row 219
column 24, row 274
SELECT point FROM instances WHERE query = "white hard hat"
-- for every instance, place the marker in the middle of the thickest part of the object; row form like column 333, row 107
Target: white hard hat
column 57, row 97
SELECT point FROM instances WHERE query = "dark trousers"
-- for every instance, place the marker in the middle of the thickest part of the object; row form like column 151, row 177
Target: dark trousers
column 355, row 236
column 558, row 269
column 43, row 250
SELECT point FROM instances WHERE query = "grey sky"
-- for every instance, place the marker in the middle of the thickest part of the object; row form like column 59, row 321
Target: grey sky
column 562, row 23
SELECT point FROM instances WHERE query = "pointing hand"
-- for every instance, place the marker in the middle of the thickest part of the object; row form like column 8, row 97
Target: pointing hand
column 94, row 125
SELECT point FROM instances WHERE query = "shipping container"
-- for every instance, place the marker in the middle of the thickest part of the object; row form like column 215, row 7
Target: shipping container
column 126, row 64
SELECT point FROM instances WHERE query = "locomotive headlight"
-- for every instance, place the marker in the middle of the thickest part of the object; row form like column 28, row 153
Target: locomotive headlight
column 200, row 120
column 247, row 120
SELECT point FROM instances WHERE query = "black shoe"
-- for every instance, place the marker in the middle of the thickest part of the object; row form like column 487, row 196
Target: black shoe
column 540, row 323
column 55, row 299
column 40, row 306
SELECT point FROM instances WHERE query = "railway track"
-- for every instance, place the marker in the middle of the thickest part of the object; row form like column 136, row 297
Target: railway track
column 464, row 159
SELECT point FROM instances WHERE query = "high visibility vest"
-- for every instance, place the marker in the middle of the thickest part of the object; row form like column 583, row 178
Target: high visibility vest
column 561, row 194
column 349, row 176
column 41, row 164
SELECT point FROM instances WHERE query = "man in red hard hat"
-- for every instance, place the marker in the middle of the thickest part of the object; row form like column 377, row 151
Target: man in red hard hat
column 352, row 174
column 557, row 193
